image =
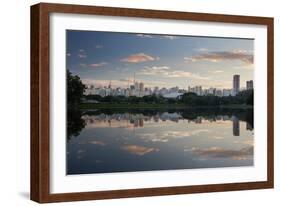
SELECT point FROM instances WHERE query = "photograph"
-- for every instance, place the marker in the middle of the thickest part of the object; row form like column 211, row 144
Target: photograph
column 150, row 102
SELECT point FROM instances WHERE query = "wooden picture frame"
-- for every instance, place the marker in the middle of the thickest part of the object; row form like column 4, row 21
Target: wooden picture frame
column 40, row 102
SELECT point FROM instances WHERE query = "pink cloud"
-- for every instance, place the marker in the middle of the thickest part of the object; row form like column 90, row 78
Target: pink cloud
column 241, row 55
column 137, row 58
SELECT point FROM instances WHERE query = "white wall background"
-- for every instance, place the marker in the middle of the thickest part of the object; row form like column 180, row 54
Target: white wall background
column 15, row 99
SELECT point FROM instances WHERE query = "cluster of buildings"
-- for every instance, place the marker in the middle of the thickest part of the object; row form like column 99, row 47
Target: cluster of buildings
column 223, row 92
column 138, row 89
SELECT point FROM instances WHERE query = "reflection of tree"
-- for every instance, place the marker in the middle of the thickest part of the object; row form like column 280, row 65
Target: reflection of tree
column 250, row 119
column 74, row 123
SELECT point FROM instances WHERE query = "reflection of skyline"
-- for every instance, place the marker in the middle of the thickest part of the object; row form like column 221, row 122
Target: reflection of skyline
column 235, row 126
column 146, row 140
column 128, row 120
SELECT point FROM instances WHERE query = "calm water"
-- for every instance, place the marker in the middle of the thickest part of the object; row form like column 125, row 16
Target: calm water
column 143, row 140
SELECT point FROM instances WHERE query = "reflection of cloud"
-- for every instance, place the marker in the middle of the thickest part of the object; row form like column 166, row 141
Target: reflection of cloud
column 249, row 142
column 217, row 56
column 68, row 54
column 139, row 150
column 217, row 152
column 80, row 151
column 217, row 137
column 96, row 142
column 168, row 72
column 166, row 136
column 137, row 58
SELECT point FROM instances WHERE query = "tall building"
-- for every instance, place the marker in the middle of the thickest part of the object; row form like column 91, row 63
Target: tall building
column 250, row 84
column 137, row 86
column 141, row 86
column 236, row 84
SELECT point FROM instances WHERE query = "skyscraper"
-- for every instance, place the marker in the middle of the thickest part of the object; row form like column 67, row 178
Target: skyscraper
column 236, row 84
column 250, row 84
column 141, row 86
column 137, row 86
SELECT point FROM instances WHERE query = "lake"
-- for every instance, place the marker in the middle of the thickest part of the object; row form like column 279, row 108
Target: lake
column 104, row 141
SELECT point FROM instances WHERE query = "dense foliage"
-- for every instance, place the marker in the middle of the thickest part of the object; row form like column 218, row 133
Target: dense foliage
column 75, row 89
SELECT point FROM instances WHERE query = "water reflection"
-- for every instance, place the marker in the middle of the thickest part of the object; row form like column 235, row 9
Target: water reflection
column 143, row 140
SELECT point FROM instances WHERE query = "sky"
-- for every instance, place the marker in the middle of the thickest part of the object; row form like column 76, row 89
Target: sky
column 99, row 58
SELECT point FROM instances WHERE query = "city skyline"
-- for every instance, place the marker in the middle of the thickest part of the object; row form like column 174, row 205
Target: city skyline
column 138, row 89
column 158, row 60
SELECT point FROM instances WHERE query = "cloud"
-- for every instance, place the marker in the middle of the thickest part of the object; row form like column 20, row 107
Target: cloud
column 139, row 150
column 68, row 54
column 144, row 35
column 201, row 49
column 83, row 65
column 155, row 70
column 82, row 56
column 171, row 73
column 216, row 71
column 170, row 37
column 123, row 80
column 245, row 67
column 217, row 152
column 96, row 65
column 161, row 36
column 137, row 58
column 218, row 56
column 99, row 46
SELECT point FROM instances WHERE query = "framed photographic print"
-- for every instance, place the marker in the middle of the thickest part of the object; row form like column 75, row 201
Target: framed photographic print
column 132, row 102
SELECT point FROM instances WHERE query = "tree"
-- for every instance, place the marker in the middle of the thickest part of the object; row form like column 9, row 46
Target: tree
column 75, row 89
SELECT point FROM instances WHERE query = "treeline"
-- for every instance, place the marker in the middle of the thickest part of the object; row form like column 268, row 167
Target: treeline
column 192, row 99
